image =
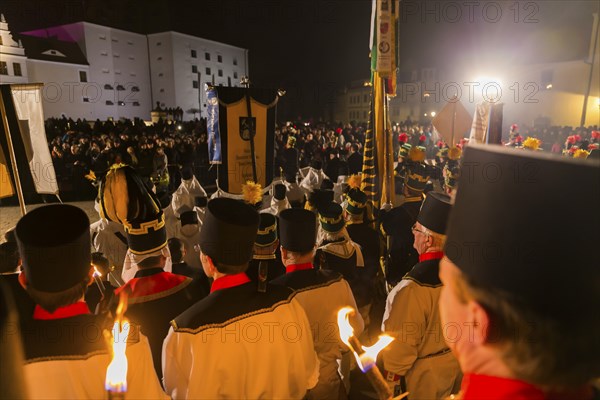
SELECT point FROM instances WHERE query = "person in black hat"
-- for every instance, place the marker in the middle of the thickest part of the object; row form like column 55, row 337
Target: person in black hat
column 233, row 343
column 188, row 231
column 418, row 361
column 56, row 272
column 155, row 295
column 396, row 224
column 279, row 202
column 512, row 276
column 322, row 294
column 95, row 293
column 265, row 265
column 338, row 253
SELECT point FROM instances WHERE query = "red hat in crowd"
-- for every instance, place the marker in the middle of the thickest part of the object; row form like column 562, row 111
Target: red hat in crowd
column 403, row 137
column 422, row 139
column 514, row 127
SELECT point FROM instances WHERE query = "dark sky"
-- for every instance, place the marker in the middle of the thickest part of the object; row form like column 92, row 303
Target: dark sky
column 313, row 47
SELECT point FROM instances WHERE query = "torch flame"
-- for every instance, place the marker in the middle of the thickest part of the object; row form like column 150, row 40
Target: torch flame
column 116, row 373
column 368, row 358
column 346, row 330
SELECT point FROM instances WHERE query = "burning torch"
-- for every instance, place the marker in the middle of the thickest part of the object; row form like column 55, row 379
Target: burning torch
column 366, row 356
column 116, row 373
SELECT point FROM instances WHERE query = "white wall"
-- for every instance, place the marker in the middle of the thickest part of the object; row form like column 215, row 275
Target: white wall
column 62, row 92
column 11, row 53
column 176, row 66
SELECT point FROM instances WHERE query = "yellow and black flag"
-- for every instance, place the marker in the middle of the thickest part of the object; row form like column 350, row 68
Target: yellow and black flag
column 378, row 160
column 23, row 144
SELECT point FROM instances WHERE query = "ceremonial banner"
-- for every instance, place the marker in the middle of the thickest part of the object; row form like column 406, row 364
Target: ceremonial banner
column 212, row 125
column 453, row 122
column 481, row 120
column 239, row 123
column 378, row 160
column 23, row 127
column 487, row 124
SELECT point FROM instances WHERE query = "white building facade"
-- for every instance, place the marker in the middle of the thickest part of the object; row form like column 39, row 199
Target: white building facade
column 96, row 72
column 180, row 66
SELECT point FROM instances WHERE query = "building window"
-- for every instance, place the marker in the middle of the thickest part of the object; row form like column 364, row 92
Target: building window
column 131, row 57
column 105, row 70
column 159, row 59
column 121, row 103
column 120, row 87
column 17, row 69
column 158, row 43
column 82, row 76
column 135, row 89
column 86, row 100
column 1, row 41
column 365, row 98
column 109, row 103
column 194, row 69
column 135, row 104
column 207, row 71
column 220, row 72
column 129, row 42
column 160, row 75
column 102, row 37
column 116, row 55
column 108, row 87
column 162, row 90
column 117, row 72
column 219, row 58
column 235, row 75
column 207, row 56
column 235, row 61
column 195, row 84
column 132, row 74
column 193, row 53
column 115, row 40
column 3, row 68
column 364, row 115
column 103, row 53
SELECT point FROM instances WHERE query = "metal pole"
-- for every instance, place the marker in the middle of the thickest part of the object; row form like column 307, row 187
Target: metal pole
column 13, row 160
column 388, row 178
column 249, row 109
column 589, row 85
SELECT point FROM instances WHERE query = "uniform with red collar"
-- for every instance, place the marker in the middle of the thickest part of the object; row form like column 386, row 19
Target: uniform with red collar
column 322, row 293
column 155, row 297
column 238, row 342
column 65, row 351
column 419, row 361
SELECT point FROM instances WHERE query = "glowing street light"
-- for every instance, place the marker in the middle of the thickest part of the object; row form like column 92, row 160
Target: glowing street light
column 433, row 114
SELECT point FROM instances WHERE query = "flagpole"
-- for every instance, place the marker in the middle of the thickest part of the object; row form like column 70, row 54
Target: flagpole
column 246, row 82
column 13, row 160
column 387, row 203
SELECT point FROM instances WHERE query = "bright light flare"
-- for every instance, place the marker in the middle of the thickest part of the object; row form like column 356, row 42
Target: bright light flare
column 433, row 113
column 97, row 273
column 367, row 360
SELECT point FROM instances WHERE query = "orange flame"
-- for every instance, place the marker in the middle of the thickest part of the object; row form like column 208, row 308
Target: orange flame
column 366, row 359
column 116, row 373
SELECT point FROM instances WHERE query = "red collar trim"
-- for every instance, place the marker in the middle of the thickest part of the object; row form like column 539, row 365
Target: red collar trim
column 229, row 281
column 298, row 267
column 434, row 255
column 71, row 310
column 151, row 284
column 476, row 387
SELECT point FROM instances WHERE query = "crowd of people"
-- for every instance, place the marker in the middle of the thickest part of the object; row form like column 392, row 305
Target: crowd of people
column 238, row 296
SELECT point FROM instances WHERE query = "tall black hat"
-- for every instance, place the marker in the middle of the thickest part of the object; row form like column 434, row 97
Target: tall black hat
column 297, row 230
column 279, row 191
column 54, row 244
column 417, row 176
column 356, row 201
column 330, row 217
column 267, row 230
column 229, row 231
column 529, row 251
column 434, row 212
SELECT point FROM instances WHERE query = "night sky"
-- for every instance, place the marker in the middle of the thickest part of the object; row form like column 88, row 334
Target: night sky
column 314, row 47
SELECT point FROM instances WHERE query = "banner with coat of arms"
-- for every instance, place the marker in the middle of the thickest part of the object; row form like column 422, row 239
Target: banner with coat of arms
column 244, row 115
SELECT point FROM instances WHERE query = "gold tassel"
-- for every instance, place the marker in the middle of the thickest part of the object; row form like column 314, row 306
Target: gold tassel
column 252, row 192
column 354, row 181
column 416, row 155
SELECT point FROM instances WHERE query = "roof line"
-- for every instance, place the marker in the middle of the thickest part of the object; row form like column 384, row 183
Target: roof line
column 197, row 37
